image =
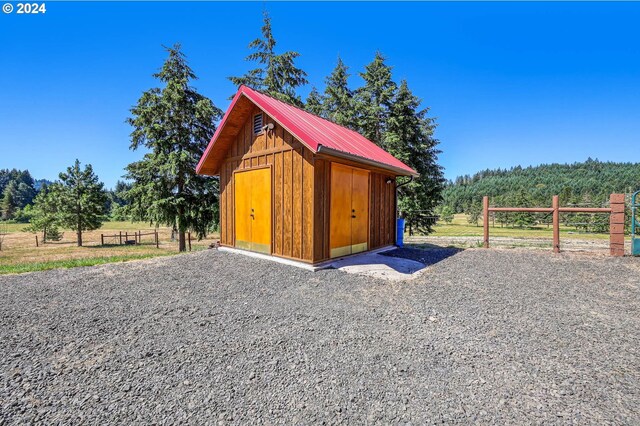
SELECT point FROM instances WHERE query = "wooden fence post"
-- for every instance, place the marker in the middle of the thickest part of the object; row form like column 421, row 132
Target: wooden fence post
column 189, row 235
column 556, row 224
column 485, row 220
column 101, row 239
column 157, row 244
column 616, row 225
column 120, row 237
column 37, row 241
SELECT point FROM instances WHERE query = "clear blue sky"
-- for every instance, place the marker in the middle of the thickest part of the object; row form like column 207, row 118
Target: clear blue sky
column 510, row 83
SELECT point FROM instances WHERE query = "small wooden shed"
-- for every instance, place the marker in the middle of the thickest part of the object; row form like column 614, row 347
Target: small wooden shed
column 297, row 186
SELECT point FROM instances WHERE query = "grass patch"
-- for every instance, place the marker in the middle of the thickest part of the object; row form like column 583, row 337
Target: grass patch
column 19, row 268
column 461, row 228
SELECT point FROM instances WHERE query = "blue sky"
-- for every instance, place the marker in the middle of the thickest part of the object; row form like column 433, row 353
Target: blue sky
column 510, row 83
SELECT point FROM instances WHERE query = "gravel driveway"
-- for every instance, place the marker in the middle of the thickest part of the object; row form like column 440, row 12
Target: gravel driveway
column 484, row 336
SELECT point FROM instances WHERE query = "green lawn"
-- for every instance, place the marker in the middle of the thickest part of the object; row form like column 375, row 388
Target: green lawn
column 461, row 228
column 72, row 263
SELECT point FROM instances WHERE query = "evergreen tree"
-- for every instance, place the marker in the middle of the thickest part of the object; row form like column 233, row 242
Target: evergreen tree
column 314, row 103
column 174, row 123
column 474, row 212
column 9, row 200
column 409, row 137
column 338, row 98
column 374, row 100
column 44, row 214
column 276, row 74
column 446, row 214
column 80, row 199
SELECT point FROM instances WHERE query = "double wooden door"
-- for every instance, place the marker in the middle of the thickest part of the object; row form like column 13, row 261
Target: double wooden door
column 252, row 210
column 349, row 219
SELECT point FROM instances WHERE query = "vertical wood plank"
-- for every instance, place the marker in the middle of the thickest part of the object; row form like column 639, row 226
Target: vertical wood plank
column 287, row 171
column 223, row 204
column 308, row 221
column 230, row 206
column 297, row 204
column 277, row 196
column 318, row 210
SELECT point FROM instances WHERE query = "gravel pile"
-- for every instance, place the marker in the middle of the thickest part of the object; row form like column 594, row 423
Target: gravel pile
column 484, row 336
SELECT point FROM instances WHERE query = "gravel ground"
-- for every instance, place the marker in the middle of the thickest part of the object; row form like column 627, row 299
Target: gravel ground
column 484, row 336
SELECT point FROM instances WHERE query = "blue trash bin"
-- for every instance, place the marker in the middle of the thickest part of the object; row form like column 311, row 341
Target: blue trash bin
column 400, row 232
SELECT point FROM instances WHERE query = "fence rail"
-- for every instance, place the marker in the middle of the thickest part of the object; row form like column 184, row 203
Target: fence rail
column 615, row 211
column 137, row 238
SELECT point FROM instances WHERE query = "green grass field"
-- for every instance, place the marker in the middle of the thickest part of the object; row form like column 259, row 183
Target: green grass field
column 461, row 228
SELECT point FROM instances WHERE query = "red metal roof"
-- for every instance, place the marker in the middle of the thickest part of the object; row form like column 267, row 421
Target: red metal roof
column 316, row 133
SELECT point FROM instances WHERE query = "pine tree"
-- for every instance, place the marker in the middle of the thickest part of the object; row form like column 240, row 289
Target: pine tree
column 314, row 103
column 374, row 100
column 338, row 98
column 409, row 137
column 174, row 123
column 276, row 74
column 80, row 199
column 9, row 201
column 44, row 214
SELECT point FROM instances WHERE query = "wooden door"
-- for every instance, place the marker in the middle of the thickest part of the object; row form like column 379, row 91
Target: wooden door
column 261, row 210
column 252, row 210
column 349, row 218
column 340, row 217
column 242, row 210
column 359, row 210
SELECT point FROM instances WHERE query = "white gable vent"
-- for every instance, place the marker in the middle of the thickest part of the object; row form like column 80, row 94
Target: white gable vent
column 257, row 124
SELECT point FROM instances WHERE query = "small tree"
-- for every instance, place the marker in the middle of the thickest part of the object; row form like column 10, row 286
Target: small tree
column 80, row 199
column 9, row 202
column 446, row 214
column 44, row 213
column 4, row 230
column 474, row 212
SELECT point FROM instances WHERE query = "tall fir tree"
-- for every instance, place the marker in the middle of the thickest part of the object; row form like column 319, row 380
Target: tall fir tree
column 174, row 123
column 338, row 98
column 276, row 74
column 374, row 100
column 314, row 103
column 80, row 200
column 409, row 136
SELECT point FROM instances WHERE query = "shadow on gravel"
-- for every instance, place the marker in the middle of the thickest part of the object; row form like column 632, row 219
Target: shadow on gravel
column 429, row 256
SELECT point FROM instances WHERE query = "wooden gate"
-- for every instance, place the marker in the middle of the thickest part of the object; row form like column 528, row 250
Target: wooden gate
column 253, row 210
column 349, row 220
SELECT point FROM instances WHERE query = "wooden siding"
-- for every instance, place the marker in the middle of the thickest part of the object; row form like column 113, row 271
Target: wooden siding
column 382, row 211
column 292, row 187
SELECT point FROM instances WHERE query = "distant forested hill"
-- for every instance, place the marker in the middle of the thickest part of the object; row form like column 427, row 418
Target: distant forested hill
column 588, row 183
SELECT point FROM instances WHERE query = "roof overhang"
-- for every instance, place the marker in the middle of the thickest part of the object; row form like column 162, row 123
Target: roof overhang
column 356, row 158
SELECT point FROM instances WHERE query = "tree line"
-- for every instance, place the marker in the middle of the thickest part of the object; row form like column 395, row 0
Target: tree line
column 173, row 123
column 585, row 184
